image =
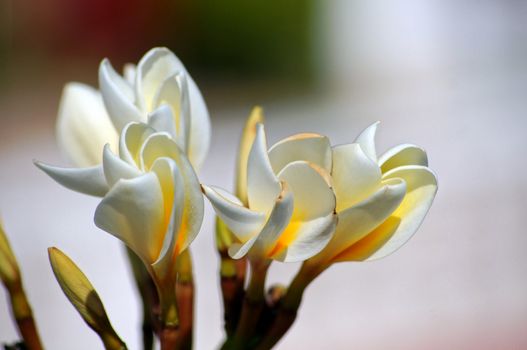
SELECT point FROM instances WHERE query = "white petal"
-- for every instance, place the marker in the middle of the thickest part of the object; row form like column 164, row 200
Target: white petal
column 355, row 176
column 243, row 222
column 262, row 184
column 83, row 126
column 309, row 239
column 133, row 211
column 160, row 145
column 162, row 120
column 118, row 97
column 172, row 186
column 115, row 168
column 157, row 65
column 366, row 140
column 132, row 139
column 312, row 148
column 403, row 155
column 357, row 221
column 84, row 180
column 421, row 187
column 312, row 195
column 173, row 92
column 129, row 71
column 246, row 143
column 277, row 222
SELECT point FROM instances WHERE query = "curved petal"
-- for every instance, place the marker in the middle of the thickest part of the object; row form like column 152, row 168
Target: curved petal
column 132, row 139
column 262, row 184
column 129, row 70
column 133, row 211
column 157, row 65
column 160, row 145
column 366, row 140
column 278, row 221
column 115, row 168
column 118, row 97
column 355, row 175
column 243, row 222
column 421, row 187
column 161, row 119
column 359, row 220
column 84, row 180
column 83, row 126
column 310, row 238
column 313, row 197
column 313, row 148
column 401, row 155
column 173, row 92
column 172, row 186
column 246, row 143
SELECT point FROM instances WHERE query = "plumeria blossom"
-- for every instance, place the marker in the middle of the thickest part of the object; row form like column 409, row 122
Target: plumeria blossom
column 152, row 199
column 381, row 201
column 289, row 213
column 88, row 119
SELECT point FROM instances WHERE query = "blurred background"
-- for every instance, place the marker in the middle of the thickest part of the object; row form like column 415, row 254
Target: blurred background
column 450, row 76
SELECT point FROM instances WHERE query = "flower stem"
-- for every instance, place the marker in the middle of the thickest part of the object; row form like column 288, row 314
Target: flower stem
column 289, row 305
column 253, row 305
column 23, row 315
column 185, row 300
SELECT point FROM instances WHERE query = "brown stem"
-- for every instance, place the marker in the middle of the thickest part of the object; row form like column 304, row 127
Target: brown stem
column 168, row 338
column 232, row 277
column 185, row 300
column 289, row 305
column 23, row 315
column 253, row 306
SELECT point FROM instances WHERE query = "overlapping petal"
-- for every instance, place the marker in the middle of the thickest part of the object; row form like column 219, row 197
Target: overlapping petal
column 366, row 140
column 355, row 175
column 421, row 187
column 262, row 184
column 313, row 148
column 405, row 154
column 133, row 211
column 83, row 126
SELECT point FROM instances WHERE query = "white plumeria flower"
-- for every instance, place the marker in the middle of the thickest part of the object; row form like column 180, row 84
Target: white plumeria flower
column 381, row 202
column 89, row 119
column 290, row 211
column 152, row 197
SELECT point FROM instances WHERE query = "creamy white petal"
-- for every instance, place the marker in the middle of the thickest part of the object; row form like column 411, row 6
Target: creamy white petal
column 159, row 64
column 309, row 239
column 421, row 187
column 239, row 250
column 313, row 148
column 275, row 226
column 366, row 140
column 129, row 71
column 173, row 92
column 161, row 119
column 84, row 180
column 83, row 126
column 313, row 197
column 243, row 222
column 133, row 211
column 262, row 184
column 246, row 143
column 357, row 221
column 118, row 97
column 401, row 155
column 160, row 145
column 172, row 186
column 355, row 175
column 115, row 168
column 132, row 139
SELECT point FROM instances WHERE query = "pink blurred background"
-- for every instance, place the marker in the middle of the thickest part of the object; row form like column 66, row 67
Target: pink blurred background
column 450, row 76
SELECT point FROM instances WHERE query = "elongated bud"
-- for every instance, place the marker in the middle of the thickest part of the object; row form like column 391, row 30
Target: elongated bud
column 246, row 142
column 9, row 271
column 84, row 298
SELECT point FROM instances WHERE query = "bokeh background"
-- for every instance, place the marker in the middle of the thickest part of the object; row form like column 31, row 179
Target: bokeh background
column 450, row 76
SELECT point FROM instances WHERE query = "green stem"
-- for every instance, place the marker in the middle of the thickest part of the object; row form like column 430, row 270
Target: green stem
column 23, row 316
